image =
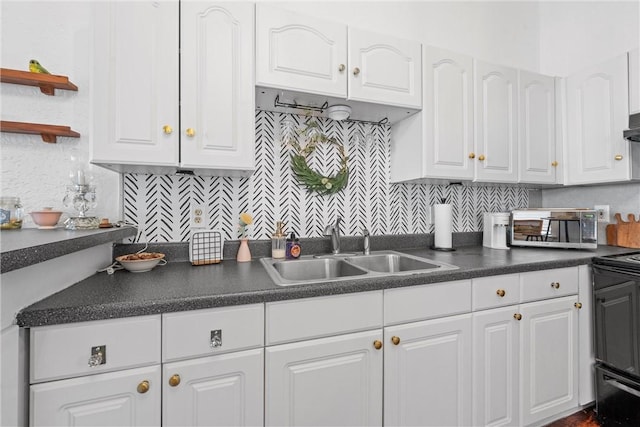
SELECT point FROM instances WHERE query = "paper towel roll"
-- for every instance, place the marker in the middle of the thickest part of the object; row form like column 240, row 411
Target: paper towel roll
column 443, row 222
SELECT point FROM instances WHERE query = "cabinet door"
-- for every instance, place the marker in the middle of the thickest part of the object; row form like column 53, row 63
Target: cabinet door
column 634, row 81
column 223, row 390
column 496, row 123
column 334, row 381
column 384, row 69
column 217, row 92
column 549, row 357
column 427, row 375
column 537, row 130
column 300, row 52
column 597, row 114
column 135, row 83
column 448, row 109
column 112, row 399
column 496, row 367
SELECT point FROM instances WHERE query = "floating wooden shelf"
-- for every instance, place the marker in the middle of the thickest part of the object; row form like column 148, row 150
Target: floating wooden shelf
column 49, row 133
column 47, row 83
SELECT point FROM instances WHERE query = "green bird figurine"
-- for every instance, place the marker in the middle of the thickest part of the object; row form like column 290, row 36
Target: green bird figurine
column 35, row 67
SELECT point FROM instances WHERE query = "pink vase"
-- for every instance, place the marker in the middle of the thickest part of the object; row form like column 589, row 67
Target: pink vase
column 244, row 254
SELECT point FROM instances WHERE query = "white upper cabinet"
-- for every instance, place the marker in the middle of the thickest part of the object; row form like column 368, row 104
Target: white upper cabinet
column 135, row 85
column 384, row 69
column 496, row 129
column 634, row 81
column 310, row 55
column 438, row 142
column 140, row 70
column 300, row 52
column 597, row 115
column 537, row 131
column 216, row 72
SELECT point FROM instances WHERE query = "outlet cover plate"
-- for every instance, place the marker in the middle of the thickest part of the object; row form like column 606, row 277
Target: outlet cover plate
column 603, row 213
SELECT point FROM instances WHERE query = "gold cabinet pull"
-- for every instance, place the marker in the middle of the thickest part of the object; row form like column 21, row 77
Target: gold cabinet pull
column 501, row 293
column 555, row 285
column 618, row 157
column 356, row 71
column 377, row 344
column 481, row 157
column 578, row 305
column 167, row 129
column 143, row 387
column 472, row 155
column 517, row 316
column 395, row 340
column 341, row 67
column 554, row 163
column 174, row 381
column 190, row 132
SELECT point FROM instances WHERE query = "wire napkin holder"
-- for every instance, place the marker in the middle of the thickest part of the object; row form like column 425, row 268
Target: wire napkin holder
column 205, row 247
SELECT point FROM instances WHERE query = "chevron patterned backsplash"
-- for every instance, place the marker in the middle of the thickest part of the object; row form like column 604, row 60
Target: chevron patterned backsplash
column 160, row 204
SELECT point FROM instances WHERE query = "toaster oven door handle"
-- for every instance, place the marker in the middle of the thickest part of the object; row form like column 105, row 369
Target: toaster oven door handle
column 617, row 384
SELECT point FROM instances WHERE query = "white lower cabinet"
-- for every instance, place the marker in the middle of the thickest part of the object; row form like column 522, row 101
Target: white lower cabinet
column 427, row 373
column 124, row 398
column 549, row 358
column 222, row 390
column 525, row 367
column 334, row 381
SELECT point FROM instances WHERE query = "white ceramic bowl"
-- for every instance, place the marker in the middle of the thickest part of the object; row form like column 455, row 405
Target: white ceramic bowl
column 46, row 218
column 139, row 263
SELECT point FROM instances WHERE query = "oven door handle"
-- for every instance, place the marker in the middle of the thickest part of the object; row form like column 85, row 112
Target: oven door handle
column 617, row 384
column 602, row 269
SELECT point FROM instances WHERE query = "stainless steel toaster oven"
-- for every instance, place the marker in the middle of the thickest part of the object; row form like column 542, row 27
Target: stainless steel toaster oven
column 554, row 227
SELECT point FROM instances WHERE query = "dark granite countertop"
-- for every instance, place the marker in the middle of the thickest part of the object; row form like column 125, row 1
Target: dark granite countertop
column 179, row 286
column 29, row 246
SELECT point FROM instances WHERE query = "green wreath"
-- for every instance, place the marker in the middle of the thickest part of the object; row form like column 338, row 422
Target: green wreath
column 312, row 180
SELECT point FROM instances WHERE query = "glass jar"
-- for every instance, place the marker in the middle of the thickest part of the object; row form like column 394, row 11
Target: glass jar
column 10, row 213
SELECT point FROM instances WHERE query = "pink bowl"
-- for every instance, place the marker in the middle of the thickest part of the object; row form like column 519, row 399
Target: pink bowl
column 46, row 217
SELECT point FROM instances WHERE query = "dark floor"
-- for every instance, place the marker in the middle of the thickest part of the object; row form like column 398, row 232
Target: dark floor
column 583, row 418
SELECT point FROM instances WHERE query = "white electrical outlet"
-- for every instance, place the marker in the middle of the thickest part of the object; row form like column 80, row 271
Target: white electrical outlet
column 198, row 216
column 603, row 212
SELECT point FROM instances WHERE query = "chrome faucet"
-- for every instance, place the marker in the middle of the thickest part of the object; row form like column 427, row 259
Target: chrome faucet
column 333, row 230
column 366, row 243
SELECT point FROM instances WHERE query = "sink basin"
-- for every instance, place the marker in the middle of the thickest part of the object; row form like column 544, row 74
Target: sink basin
column 312, row 269
column 391, row 263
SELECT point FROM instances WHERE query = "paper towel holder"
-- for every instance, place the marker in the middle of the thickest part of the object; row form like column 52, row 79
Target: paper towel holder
column 435, row 248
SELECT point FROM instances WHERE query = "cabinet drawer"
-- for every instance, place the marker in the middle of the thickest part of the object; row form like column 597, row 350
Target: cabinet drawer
column 322, row 316
column 495, row 291
column 415, row 303
column 544, row 284
column 211, row 331
column 62, row 351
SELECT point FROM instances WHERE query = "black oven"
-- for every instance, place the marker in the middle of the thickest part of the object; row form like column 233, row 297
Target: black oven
column 617, row 339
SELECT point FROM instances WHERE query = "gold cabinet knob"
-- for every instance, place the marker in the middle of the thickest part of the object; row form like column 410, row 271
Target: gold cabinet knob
column 517, row 316
column 190, row 132
column 618, row 157
column 472, row 155
column 143, row 387
column 167, row 129
column 554, row 163
column 341, row 67
column 395, row 340
column 481, row 157
column 501, row 292
column 356, row 71
column 578, row 305
column 377, row 344
column 555, row 285
column 174, row 381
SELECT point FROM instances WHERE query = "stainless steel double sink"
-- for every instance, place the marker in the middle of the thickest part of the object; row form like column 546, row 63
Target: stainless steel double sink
column 315, row 269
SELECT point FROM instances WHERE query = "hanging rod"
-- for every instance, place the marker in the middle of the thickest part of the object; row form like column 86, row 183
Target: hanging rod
column 277, row 103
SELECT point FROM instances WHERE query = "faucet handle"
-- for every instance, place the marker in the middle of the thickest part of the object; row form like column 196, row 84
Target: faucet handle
column 366, row 243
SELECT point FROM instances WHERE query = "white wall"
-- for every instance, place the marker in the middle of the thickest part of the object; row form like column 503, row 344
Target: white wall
column 58, row 35
column 575, row 35
column 502, row 32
